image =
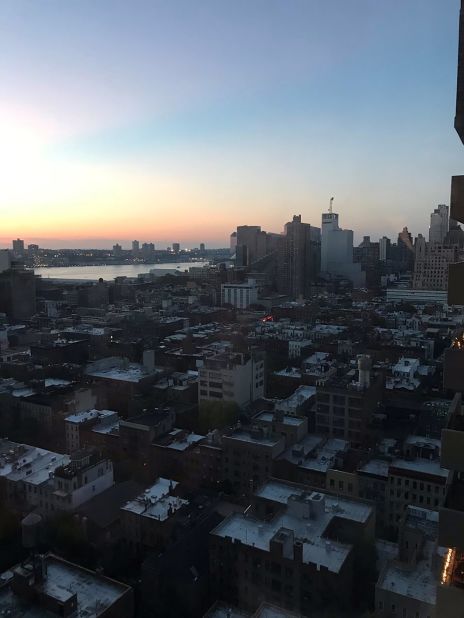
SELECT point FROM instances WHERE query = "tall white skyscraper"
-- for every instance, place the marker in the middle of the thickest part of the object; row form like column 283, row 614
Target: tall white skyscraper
column 439, row 224
column 337, row 251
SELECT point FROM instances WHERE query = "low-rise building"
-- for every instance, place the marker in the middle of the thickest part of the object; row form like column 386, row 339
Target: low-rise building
column 416, row 482
column 407, row 585
column 346, row 404
column 148, row 520
column 78, row 426
column 248, row 455
column 46, row 586
column 293, row 428
column 295, row 549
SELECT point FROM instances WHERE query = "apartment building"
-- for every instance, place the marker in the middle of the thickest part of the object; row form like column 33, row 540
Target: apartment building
column 50, row 586
column 232, row 377
column 148, row 520
column 415, row 481
column 294, row 549
column 407, row 584
column 450, row 595
column 346, row 404
column 78, row 427
column 248, row 455
column 240, row 295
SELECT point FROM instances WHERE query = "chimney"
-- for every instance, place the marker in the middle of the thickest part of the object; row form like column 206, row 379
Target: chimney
column 298, row 551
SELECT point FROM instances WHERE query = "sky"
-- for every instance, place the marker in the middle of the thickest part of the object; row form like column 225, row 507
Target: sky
column 177, row 120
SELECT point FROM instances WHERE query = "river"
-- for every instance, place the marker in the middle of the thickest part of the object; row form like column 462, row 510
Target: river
column 109, row 271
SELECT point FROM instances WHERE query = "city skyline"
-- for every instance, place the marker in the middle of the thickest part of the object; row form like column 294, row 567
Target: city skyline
column 260, row 113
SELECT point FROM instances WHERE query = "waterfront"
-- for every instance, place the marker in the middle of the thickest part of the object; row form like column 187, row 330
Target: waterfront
column 109, row 271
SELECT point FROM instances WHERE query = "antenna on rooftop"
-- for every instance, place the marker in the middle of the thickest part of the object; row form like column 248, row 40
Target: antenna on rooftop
column 330, row 205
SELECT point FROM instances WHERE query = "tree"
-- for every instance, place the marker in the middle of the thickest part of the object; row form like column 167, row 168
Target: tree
column 217, row 414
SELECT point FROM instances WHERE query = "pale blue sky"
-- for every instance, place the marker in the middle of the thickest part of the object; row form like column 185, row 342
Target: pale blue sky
column 180, row 120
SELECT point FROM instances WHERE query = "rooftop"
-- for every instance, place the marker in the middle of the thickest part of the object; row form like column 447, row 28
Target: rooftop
column 295, row 521
column 254, row 436
column 156, row 502
column 419, row 583
column 298, row 397
column 95, row 593
column 423, row 466
column 22, row 462
column 269, row 417
column 88, row 415
column 315, row 452
column 376, row 467
column 132, row 373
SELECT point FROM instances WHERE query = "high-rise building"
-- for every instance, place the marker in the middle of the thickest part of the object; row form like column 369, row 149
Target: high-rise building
column 439, row 224
column 5, row 260
column 233, row 242
column 455, row 235
column 202, row 247
column 384, row 248
column 431, row 264
column 405, row 250
column 18, row 247
column 176, row 247
column 148, row 248
column 450, row 593
column 135, row 248
column 250, row 244
column 117, row 250
column 367, row 253
column 299, row 258
column 33, row 249
column 337, row 251
column 240, row 295
column 18, row 294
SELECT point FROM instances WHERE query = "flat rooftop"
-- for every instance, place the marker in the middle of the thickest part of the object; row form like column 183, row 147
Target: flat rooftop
column 315, row 452
column 156, row 502
column 88, row 415
column 310, row 532
column 29, row 463
column 269, row 417
column 133, row 373
column 422, row 466
column 376, row 467
column 179, row 440
column 419, row 583
column 254, row 437
column 95, row 593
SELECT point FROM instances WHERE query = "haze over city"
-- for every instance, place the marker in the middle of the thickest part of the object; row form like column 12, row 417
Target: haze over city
column 176, row 121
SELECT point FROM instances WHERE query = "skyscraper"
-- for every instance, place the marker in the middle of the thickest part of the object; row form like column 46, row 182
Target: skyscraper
column 248, row 244
column 337, row 251
column 431, row 264
column 18, row 247
column 439, row 224
column 384, row 248
column 405, row 250
column 450, row 591
column 299, row 258
column 135, row 248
